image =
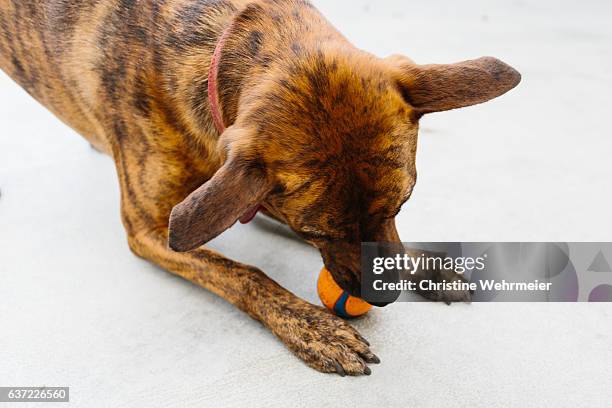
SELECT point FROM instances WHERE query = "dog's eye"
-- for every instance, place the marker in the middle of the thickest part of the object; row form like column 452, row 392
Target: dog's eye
column 314, row 235
column 278, row 189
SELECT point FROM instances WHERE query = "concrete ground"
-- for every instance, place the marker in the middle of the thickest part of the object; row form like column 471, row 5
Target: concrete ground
column 78, row 309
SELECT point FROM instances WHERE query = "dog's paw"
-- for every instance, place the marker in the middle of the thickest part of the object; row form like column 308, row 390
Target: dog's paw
column 323, row 341
column 447, row 296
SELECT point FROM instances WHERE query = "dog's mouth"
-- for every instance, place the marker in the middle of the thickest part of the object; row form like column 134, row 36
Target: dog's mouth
column 344, row 277
column 353, row 288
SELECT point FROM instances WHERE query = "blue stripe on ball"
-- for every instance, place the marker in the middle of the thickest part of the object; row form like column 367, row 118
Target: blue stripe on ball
column 340, row 306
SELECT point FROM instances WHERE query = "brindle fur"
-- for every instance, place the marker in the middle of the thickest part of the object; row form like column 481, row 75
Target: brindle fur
column 323, row 135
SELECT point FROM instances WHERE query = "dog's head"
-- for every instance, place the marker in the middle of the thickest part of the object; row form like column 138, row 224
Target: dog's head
column 328, row 145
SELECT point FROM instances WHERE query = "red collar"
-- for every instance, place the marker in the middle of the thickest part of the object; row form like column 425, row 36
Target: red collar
column 215, row 103
column 213, row 74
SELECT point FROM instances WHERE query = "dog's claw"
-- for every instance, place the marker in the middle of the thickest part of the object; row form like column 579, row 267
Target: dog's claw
column 339, row 369
column 324, row 341
column 367, row 371
column 373, row 359
column 447, row 296
column 364, row 340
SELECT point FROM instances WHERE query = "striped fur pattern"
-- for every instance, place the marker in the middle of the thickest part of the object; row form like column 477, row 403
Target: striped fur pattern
column 321, row 134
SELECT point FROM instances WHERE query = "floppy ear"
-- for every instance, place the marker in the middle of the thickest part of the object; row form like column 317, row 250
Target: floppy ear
column 234, row 190
column 436, row 88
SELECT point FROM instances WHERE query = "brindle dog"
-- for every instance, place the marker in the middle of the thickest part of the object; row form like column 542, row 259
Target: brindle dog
column 320, row 134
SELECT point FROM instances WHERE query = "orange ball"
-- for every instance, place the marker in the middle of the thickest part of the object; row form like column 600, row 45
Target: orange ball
column 338, row 300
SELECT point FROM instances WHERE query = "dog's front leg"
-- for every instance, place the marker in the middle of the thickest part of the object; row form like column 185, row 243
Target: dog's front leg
column 325, row 342
column 438, row 275
column 152, row 182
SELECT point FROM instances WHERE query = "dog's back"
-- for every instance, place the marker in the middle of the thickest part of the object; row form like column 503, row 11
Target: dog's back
column 84, row 59
column 36, row 50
